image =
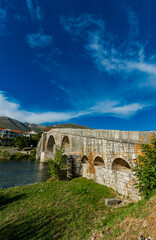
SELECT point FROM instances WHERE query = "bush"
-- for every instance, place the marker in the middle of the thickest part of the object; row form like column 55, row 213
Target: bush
column 145, row 168
column 56, row 164
column 4, row 154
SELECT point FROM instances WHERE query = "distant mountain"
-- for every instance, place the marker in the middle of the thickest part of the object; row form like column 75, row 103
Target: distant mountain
column 10, row 123
column 35, row 127
column 6, row 122
column 68, row 125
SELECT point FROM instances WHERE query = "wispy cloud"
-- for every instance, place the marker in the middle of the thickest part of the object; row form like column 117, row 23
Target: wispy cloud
column 78, row 26
column 3, row 20
column 133, row 22
column 13, row 109
column 61, row 87
column 114, row 108
column 40, row 40
column 20, row 17
column 101, row 45
column 34, row 9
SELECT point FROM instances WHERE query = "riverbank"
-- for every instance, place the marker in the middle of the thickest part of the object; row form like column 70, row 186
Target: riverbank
column 63, row 210
column 13, row 154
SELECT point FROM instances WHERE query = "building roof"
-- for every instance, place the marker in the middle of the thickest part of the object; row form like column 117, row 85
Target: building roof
column 46, row 129
column 15, row 131
column 2, row 128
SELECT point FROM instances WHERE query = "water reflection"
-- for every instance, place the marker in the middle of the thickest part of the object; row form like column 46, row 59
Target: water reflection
column 13, row 173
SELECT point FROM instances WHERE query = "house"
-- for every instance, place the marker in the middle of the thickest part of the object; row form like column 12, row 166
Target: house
column 7, row 133
column 28, row 134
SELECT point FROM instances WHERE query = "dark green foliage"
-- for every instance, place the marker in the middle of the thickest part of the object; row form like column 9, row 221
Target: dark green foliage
column 145, row 169
column 7, row 142
column 23, row 141
column 56, row 164
column 37, row 137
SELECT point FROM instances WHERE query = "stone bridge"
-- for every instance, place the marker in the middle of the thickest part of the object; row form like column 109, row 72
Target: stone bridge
column 106, row 156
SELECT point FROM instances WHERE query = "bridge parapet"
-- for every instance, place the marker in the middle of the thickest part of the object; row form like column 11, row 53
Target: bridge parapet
column 130, row 136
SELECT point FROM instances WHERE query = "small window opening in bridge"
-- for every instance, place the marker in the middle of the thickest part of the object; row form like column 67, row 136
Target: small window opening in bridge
column 65, row 143
column 121, row 165
column 50, row 145
column 84, row 159
column 98, row 161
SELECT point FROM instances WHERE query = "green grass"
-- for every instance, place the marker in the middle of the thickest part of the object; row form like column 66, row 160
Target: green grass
column 71, row 209
column 40, row 211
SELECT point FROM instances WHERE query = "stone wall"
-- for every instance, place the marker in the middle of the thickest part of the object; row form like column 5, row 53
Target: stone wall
column 122, row 182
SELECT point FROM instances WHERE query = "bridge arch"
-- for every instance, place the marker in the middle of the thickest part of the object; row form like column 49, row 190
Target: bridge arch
column 121, row 165
column 98, row 161
column 50, row 148
column 84, row 159
column 65, row 142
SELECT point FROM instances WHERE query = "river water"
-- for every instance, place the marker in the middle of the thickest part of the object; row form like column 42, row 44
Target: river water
column 19, row 173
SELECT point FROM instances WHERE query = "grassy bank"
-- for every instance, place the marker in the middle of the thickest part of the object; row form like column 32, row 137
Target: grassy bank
column 70, row 210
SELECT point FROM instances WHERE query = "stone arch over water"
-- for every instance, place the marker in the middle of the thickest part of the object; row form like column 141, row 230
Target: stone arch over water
column 50, row 149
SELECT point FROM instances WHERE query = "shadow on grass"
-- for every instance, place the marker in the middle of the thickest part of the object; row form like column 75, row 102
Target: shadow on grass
column 5, row 199
column 32, row 227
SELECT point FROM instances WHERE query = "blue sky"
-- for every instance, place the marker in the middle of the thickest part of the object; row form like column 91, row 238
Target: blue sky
column 86, row 62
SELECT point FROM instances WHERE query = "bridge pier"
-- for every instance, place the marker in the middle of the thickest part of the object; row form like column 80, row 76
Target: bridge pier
column 74, row 168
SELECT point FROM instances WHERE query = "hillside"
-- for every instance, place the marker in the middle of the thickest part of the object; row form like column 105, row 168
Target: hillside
column 10, row 123
column 68, row 125
column 6, row 122
column 73, row 210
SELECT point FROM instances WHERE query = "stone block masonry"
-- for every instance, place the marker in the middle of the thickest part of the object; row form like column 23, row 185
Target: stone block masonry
column 106, row 156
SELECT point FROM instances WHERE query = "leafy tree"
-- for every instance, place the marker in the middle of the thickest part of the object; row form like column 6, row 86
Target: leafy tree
column 37, row 137
column 56, row 164
column 145, row 168
column 23, row 141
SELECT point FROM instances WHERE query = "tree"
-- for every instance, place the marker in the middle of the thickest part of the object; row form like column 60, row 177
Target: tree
column 145, row 167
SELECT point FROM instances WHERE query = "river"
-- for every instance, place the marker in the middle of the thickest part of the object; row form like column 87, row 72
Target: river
column 19, row 173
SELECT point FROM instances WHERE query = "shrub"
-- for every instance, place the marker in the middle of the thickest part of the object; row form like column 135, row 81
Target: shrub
column 4, row 154
column 56, row 164
column 145, row 168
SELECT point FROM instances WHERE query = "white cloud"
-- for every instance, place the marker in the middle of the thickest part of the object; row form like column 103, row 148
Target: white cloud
column 115, row 109
column 13, row 110
column 112, row 108
column 38, row 40
column 34, row 10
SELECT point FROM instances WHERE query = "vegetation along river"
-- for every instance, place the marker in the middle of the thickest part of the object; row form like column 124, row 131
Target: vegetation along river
column 19, row 173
